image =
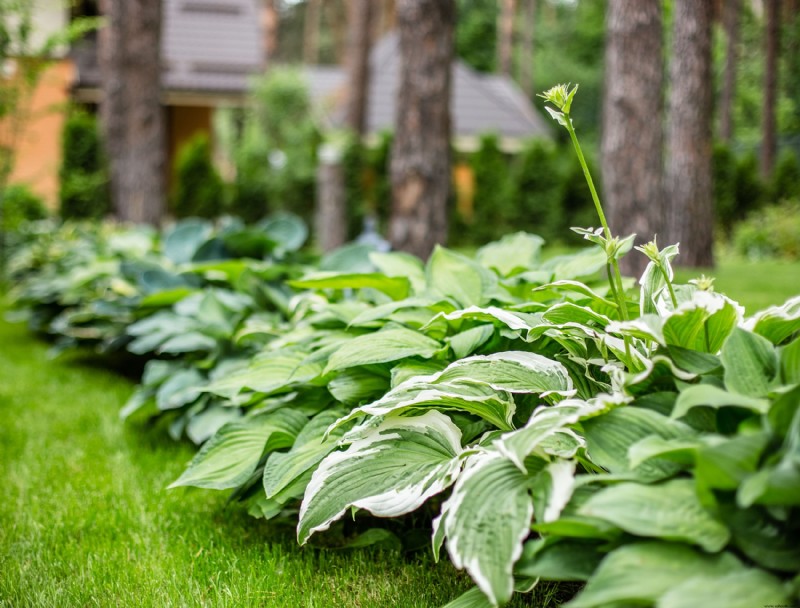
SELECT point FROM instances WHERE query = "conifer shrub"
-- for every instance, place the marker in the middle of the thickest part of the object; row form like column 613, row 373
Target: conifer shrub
column 199, row 190
column 724, row 175
column 538, row 188
column 785, row 183
column 84, row 181
column 750, row 190
column 20, row 205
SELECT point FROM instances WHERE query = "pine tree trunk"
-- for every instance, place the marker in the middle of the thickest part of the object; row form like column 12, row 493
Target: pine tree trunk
column 505, row 35
column 690, row 216
column 133, row 116
column 359, row 19
column 730, row 17
column 526, row 63
column 632, row 139
column 772, row 38
column 420, row 162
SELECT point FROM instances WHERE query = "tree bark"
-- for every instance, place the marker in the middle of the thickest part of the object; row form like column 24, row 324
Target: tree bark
column 690, row 217
column 359, row 17
column 772, row 38
column 526, row 63
column 133, row 117
column 331, row 227
column 730, row 18
column 505, row 36
column 420, row 162
column 311, row 32
column 632, row 138
column 270, row 22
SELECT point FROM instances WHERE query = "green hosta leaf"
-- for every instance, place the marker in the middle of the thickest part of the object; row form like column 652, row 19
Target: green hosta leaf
column 181, row 388
column 467, row 342
column 396, row 288
column 777, row 485
column 286, row 229
column 769, row 543
column 641, row 573
column 204, row 425
column 512, row 253
column 457, row 277
column 610, row 437
column 790, row 363
column 740, row 589
column 399, row 264
column 486, row 520
column 670, row 510
column 389, row 470
column 382, row 346
column 231, row 456
column 190, row 342
column 312, row 445
column 563, row 560
column 181, row 243
column 267, row 374
column 512, row 320
column 726, row 465
column 707, row 395
column 585, row 263
column 751, row 363
column 405, row 370
column 512, row 371
column 354, row 386
column 474, row 598
column 777, row 322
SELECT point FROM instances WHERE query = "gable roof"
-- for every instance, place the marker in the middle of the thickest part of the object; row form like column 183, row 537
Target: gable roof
column 480, row 103
column 208, row 47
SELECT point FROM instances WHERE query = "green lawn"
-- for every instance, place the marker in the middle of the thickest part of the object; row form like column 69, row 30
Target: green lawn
column 85, row 519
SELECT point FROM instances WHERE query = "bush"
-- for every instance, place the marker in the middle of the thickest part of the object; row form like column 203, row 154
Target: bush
column 20, row 205
column 772, row 232
column 538, row 188
column 84, row 183
column 786, row 177
column 199, row 190
column 749, row 188
column 576, row 199
column 494, row 211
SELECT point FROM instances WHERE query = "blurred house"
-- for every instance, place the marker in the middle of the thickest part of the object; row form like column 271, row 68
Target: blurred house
column 480, row 104
column 210, row 49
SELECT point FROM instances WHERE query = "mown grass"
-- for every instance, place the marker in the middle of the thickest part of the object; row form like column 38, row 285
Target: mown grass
column 85, row 519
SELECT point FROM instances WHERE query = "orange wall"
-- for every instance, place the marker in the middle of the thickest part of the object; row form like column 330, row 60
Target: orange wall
column 184, row 122
column 38, row 149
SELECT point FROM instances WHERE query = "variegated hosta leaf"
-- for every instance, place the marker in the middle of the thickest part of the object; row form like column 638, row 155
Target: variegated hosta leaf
column 231, row 456
column 512, row 320
column 777, row 322
column 670, row 510
column 382, row 346
column 703, row 322
column 389, row 469
column 486, row 520
column 494, row 406
column 653, row 284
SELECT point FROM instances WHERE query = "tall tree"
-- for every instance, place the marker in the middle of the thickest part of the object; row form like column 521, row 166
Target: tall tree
column 505, row 36
column 527, row 46
column 420, row 162
column 688, row 185
column 359, row 17
column 730, row 21
column 772, row 36
column 632, row 138
column 313, row 14
column 133, row 117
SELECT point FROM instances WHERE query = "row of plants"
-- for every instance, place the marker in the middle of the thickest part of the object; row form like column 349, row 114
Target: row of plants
column 547, row 420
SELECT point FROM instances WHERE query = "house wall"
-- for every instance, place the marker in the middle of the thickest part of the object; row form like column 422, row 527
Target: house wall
column 185, row 122
column 38, row 145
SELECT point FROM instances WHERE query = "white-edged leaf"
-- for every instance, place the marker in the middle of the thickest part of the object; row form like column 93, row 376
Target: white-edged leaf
column 396, row 288
column 670, row 510
column 486, row 519
column 474, row 598
column 510, row 319
column 777, row 322
column 552, row 489
column 389, row 470
column 382, row 346
column 231, row 456
column 709, row 395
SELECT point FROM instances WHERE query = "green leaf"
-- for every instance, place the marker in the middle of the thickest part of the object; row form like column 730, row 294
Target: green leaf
column 399, row 264
column 563, row 560
column 181, row 243
column 286, row 229
column 396, row 288
column 751, row 363
column 726, row 465
column 456, row 276
column 740, row 589
column 768, row 542
column 585, row 263
column 641, row 573
column 190, row 342
column 181, row 388
column 777, row 322
column 474, row 598
column 708, row 395
column 512, row 253
column 702, row 323
column 485, row 520
column 389, row 470
column 610, row 437
column 670, row 510
column 231, row 456
column 790, row 363
column 493, row 314
column 467, row 342
column 354, row 386
column 382, row 346
column 269, row 373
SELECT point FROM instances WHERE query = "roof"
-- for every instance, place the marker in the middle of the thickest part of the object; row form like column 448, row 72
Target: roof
column 481, row 103
column 208, row 46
